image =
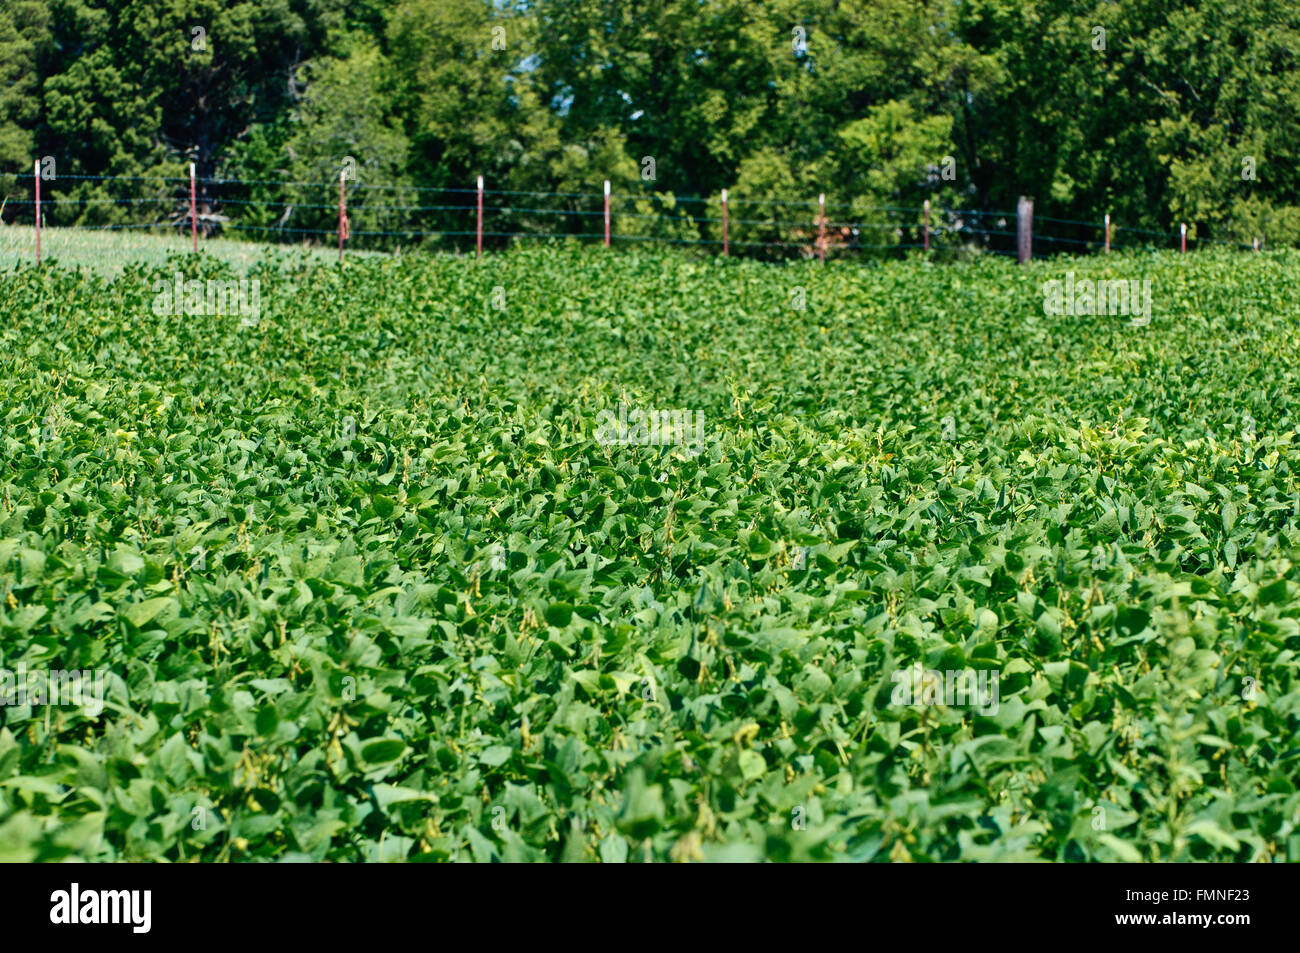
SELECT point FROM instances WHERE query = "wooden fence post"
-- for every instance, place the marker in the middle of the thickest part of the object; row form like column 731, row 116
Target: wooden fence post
column 478, row 229
column 927, row 225
column 194, row 212
column 1024, row 229
column 1108, row 233
column 821, row 227
column 724, row 223
column 607, row 213
column 36, row 175
column 343, row 214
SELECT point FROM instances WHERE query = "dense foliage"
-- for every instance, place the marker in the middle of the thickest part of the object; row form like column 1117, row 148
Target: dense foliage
column 367, row 584
column 1158, row 111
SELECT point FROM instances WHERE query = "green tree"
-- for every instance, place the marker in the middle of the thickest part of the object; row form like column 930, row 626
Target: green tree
column 24, row 36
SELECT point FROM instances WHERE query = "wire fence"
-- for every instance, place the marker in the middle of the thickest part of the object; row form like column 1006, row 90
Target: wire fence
column 388, row 217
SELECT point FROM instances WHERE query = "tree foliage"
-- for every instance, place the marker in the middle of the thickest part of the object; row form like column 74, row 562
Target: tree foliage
column 1154, row 110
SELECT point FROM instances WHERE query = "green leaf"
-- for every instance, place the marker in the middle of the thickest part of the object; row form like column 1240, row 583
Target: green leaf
column 141, row 613
column 496, row 755
column 383, row 751
column 559, row 614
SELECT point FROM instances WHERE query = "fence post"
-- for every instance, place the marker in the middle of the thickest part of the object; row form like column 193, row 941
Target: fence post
column 1182, row 241
column 194, row 213
column 724, row 223
column 607, row 213
column 1024, row 229
column 36, row 175
column 1255, row 243
column 478, row 229
column 1108, row 233
column 821, row 227
column 343, row 214
column 926, row 238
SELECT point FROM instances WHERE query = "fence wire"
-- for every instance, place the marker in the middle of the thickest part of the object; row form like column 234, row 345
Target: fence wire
column 292, row 211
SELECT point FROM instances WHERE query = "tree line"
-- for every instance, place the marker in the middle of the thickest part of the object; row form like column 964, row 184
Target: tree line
column 1156, row 111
